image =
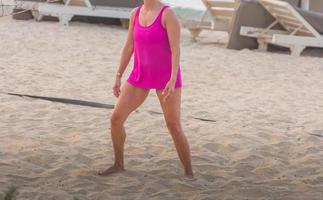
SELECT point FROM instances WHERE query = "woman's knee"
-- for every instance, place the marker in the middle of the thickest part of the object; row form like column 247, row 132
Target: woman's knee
column 116, row 119
column 174, row 127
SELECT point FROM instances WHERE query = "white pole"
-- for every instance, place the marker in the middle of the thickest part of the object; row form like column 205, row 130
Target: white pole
column 305, row 4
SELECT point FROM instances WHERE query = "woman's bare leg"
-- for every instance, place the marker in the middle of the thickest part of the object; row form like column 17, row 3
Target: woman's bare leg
column 171, row 109
column 130, row 98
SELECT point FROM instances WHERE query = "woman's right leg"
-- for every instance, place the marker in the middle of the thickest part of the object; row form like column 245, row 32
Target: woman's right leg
column 130, row 98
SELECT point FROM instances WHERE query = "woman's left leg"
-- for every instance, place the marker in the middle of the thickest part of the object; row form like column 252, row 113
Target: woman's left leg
column 171, row 109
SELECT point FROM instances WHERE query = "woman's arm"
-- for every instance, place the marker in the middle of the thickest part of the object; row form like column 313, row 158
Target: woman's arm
column 173, row 29
column 127, row 49
column 126, row 54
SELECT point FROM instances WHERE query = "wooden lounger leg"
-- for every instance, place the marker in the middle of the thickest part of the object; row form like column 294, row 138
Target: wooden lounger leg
column 37, row 15
column 195, row 33
column 262, row 44
column 296, row 50
column 65, row 19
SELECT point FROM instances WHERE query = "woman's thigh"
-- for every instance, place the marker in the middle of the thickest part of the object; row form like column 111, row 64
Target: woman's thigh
column 172, row 106
column 130, row 98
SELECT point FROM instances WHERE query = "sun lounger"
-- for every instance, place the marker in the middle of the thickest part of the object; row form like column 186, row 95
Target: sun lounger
column 298, row 33
column 221, row 12
column 118, row 9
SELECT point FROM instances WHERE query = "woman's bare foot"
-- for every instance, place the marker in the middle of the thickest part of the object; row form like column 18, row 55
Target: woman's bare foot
column 188, row 177
column 111, row 170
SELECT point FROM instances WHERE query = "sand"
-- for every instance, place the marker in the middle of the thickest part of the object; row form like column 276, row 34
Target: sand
column 265, row 142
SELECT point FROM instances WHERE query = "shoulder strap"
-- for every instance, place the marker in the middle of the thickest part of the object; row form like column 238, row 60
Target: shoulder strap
column 137, row 12
column 159, row 17
column 161, row 14
column 162, row 10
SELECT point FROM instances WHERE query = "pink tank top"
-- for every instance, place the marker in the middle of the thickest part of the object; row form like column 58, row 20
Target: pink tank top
column 152, row 55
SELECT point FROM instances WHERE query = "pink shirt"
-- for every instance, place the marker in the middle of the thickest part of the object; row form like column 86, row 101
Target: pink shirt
column 152, row 55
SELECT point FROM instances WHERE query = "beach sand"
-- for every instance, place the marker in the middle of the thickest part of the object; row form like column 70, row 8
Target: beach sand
column 263, row 140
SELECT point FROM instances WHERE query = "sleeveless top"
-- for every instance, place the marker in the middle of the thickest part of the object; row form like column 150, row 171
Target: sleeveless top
column 152, row 55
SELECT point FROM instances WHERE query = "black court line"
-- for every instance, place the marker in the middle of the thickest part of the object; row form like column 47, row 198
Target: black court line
column 154, row 112
column 88, row 103
column 317, row 135
column 204, row 119
column 67, row 101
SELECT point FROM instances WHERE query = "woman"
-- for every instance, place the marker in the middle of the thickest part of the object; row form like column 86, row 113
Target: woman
column 153, row 37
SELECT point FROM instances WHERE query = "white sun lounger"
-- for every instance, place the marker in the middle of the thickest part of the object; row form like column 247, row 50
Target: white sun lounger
column 221, row 12
column 65, row 12
column 298, row 33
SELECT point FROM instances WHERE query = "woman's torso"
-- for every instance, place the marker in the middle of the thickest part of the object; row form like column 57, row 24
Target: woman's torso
column 152, row 54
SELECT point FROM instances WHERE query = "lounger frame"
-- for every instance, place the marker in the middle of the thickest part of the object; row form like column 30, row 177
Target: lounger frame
column 65, row 12
column 298, row 33
column 221, row 11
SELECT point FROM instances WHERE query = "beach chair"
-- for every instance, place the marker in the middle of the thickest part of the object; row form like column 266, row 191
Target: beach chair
column 221, row 11
column 70, row 8
column 298, row 33
column 64, row 10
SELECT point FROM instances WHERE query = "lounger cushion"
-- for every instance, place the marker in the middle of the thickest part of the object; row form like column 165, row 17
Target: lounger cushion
column 313, row 18
column 245, row 16
column 316, row 5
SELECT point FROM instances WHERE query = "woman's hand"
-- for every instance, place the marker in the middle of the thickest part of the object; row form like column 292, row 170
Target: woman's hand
column 169, row 89
column 116, row 87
